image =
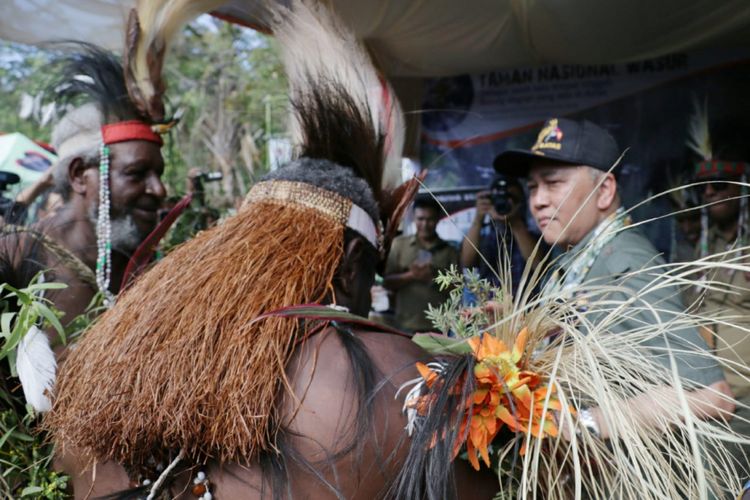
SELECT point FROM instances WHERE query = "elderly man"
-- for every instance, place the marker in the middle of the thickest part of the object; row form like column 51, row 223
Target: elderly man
column 109, row 176
column 573, row 198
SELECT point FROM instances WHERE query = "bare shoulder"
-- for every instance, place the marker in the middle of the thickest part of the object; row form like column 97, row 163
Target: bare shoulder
column 345, row 405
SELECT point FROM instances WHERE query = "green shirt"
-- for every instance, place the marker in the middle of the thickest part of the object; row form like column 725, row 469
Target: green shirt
column 629, row 252
column 412, row 299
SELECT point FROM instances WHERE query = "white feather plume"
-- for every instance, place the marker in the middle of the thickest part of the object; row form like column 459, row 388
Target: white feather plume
column 316, row 44
column 36, row 367
column 699, row 138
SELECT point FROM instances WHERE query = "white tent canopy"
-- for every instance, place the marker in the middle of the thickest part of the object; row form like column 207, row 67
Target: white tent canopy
column 420, row 38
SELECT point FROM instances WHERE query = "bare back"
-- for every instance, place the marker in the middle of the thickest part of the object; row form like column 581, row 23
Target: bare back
column 334, row 457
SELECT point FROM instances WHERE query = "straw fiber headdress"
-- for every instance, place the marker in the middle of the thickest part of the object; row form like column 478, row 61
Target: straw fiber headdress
column 179, row 362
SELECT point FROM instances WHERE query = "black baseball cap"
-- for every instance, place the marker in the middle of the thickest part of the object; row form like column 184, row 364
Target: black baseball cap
column 566, row 141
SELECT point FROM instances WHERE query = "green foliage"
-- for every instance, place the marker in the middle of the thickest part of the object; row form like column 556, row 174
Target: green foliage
column 33, row 309
column 222, row 78
column 25, row 456
column 25, row 459
column 452, row 315
column 22, row 69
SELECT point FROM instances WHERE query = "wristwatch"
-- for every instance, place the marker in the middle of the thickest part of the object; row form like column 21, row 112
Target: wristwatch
column 586, row 419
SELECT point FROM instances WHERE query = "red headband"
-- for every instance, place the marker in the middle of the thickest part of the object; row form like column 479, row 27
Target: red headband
column 718, row 167
column 131, row 130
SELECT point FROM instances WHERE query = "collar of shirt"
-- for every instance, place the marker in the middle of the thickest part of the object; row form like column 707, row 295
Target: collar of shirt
column 435, row 246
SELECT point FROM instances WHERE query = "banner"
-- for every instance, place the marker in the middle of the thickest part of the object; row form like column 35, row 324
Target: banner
column 646, row 105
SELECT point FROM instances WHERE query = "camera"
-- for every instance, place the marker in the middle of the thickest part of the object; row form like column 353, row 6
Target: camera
column 8, row 208
column 210, row 176
column 499, row 195
column 8, row 178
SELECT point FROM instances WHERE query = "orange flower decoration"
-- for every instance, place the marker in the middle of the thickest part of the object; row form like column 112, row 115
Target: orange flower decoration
column 505, row 395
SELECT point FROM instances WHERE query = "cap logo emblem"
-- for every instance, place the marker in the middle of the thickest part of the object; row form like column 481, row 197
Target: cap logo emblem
column 549, row 137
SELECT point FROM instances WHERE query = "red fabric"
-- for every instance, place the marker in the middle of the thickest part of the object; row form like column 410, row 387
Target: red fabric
column 719, row 167
column 131, row 130
column 143, row 254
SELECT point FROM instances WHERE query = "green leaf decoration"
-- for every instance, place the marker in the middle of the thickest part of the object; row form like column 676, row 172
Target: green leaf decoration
column 442, row 345
column 325, row 313
column 52, row 319
column 31, row 490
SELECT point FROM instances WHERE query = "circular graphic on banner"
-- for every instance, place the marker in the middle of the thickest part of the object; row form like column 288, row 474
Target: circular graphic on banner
column 447, row 102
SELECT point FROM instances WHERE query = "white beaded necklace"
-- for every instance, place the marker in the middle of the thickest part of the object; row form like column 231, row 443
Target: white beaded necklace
column 104, row 230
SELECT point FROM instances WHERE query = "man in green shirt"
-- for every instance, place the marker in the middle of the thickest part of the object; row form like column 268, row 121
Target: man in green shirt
column 413, row 264
column 573, row 198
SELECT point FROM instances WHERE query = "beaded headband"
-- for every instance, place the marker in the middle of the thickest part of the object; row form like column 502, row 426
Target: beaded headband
column 332, row 205
column 719, row 167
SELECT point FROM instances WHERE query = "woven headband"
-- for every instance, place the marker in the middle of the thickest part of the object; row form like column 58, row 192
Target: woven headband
column 332, row 205
column 719, row 167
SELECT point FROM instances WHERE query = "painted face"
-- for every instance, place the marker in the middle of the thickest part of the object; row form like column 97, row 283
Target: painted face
column 136, row 189
column 558, row 202
column 426, row 220
column 727, row 211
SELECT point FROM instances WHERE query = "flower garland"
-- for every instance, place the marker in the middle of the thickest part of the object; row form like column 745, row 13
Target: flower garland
column 506, row 394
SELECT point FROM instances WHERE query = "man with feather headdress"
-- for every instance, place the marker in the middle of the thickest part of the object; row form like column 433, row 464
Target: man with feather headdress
column 109, row 175
column 721, row 172
column 203, row 377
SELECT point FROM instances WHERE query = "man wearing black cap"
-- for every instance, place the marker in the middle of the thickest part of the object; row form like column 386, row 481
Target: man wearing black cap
column 573, row 198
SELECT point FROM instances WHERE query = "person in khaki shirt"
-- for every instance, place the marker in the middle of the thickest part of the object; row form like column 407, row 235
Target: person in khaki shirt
column 412, row 266
column 574, row 199
column 732, row 301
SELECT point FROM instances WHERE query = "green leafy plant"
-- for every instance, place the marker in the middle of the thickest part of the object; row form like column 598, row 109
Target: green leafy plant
column 453, row 316
column 25, row 456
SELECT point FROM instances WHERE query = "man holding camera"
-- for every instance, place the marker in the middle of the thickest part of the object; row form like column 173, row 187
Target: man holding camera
column 499, row 230
column 413, row 264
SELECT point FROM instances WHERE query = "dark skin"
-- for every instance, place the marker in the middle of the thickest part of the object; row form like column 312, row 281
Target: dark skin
column 136, row 190
column 725, row 206
column 321, row 416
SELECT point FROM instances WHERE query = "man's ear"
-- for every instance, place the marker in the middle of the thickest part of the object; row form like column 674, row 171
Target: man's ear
column 607, row 192
column 351, row 262
column 77, row 176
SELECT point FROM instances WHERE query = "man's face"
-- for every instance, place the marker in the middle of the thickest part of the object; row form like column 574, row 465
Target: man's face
column 690, row 226
column 136, row 190
column 729, row 210
column 557, row 200
column 426, row 220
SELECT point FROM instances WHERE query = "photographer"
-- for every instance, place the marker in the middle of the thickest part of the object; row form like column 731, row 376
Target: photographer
column 198, row 216
column 499, row 229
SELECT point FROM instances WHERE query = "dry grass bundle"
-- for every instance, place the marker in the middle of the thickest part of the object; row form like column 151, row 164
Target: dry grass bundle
column 660, row 442
column 178, row 362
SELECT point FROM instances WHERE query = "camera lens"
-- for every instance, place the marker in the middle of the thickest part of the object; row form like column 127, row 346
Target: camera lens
column 499, row 195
